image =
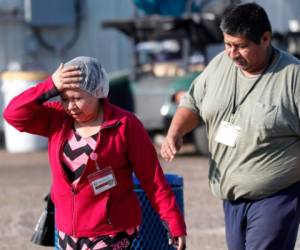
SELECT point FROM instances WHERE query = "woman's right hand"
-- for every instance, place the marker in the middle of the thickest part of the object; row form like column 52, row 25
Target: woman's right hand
column 66, row 77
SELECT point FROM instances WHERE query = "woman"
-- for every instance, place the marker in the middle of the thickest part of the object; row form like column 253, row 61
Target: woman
column 94, row 147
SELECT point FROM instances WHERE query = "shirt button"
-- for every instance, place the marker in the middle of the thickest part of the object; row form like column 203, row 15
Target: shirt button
column 93, row 156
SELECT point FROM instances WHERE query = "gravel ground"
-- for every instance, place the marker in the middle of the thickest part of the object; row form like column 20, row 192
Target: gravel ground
column 25, row 180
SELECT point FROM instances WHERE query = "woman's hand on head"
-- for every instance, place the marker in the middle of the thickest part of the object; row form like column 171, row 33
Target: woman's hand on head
column 66, row 77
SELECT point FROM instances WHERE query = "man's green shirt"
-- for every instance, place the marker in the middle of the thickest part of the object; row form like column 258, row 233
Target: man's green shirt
column 266, row 157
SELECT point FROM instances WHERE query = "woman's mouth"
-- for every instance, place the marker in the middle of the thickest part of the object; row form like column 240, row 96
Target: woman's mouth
column 74, row 114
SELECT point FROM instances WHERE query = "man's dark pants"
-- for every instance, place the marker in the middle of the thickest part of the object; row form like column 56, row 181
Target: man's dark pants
column 267, row 224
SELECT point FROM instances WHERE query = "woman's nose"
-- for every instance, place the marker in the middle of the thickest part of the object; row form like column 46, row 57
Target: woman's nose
column 71, row 105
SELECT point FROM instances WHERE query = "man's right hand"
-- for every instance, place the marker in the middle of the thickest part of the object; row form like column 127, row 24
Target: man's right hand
column 183, row 122
column 171, row 146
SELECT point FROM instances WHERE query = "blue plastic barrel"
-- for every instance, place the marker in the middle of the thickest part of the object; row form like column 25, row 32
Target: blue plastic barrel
column 56, row 240
column 153, row 235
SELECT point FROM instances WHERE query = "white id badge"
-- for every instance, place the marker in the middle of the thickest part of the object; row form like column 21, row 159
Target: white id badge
column 227, row 134
column 102, row 180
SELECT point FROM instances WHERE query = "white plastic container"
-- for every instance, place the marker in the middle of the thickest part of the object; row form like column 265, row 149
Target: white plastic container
column 1, row 109
column 13, row 83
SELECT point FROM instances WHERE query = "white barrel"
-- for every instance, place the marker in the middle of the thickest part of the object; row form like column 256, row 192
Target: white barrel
column 1, row 109
column 13, row 83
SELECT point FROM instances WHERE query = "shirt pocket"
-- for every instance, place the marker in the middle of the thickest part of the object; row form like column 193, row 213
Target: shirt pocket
column 263, row 121
column 264, row 116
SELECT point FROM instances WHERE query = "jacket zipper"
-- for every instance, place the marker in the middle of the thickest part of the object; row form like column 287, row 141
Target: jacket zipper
column 99, row 140
column 73, row 190
column 107, row 213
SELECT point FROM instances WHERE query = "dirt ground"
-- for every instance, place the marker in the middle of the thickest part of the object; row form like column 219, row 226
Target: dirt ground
column 24, row 181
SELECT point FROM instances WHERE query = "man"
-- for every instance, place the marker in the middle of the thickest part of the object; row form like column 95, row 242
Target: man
column 249, row 98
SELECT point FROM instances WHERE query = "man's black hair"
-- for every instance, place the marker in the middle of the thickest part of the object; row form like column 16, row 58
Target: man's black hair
column 249, row 20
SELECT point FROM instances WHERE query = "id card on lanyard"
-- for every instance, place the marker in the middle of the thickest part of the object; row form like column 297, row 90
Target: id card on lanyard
column 227, row 134
column 102, row 180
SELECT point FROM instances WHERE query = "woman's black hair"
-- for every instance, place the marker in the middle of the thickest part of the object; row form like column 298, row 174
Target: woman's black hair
column 249, row 20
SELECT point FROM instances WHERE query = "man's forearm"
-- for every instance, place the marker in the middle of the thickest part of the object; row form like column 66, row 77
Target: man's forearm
column 183, row 122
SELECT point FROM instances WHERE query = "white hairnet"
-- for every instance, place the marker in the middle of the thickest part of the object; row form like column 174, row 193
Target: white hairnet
column 95, row 80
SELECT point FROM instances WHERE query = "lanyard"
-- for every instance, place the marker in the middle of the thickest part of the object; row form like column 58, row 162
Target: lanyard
column 234, row 104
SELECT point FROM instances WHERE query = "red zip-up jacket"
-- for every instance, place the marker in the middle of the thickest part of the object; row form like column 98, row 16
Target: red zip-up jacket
column 123, row 144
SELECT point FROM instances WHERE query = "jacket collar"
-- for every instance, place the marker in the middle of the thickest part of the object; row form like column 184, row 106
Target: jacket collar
column 109, row 118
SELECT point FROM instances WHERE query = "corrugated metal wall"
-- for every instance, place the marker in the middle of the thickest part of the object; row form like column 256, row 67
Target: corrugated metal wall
column 110, row 47
column 18, row 44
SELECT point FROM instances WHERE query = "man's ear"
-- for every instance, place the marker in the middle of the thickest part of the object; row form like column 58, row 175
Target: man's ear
column 266, row 38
